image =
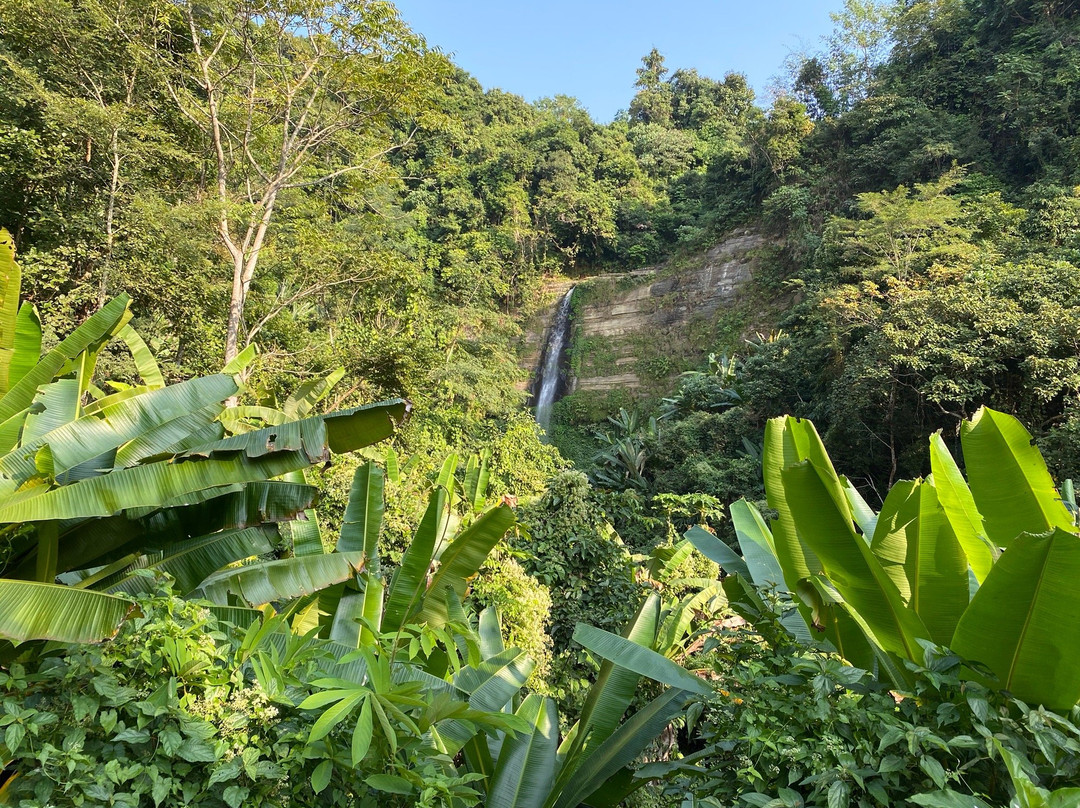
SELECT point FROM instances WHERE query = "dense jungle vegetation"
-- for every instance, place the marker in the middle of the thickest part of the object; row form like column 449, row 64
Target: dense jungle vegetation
column 229, row 579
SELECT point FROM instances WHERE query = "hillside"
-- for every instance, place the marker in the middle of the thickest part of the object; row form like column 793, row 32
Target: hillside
column 279, row 525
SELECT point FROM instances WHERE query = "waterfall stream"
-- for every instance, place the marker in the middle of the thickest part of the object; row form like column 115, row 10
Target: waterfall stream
column 550, row 379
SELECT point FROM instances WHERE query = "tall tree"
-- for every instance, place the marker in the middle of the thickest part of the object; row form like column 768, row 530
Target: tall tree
column 652, row 104
column 286, row 96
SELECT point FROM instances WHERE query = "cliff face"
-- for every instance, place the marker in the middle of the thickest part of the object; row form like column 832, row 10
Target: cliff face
column 637, row 330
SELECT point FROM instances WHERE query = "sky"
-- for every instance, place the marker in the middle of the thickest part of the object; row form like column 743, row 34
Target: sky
column 590, row 49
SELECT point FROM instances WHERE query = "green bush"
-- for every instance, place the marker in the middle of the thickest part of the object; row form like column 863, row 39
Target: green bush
column 576, row 554
column 801, row 727
column 167, row 713
column 523, row 603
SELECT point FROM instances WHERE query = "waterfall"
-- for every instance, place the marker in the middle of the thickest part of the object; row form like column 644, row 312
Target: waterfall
column 549, row 381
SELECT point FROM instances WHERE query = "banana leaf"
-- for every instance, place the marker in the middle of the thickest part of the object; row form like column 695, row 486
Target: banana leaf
column 277, row 581
column 98, row 329
column 918, row 550
column 75, row 441
column 462, row 558
column 304, row 534
column 27, row 348
column 681, row 618
column 345, row 618
column 665, row 560
column 756, row 543
column 340, row 432
column 786, row 443
column 364, row 514
column 959, row 507
column 193, row 561
column 89, row 542
column 19, row 328
column 1024, row 621
column 410, row 579
column 627, row 654
column 491, row 685
column 43, row 611
column 172, row 437
column 526, row 765
column 609, row 697
column 145, row 362
column 146, row 486
column 55, row 405
column 620, row 750
column 302, row 400
column 490, row 633
column 715, row 550
column 819, row 507
column 243, row 458
column 1009, row 482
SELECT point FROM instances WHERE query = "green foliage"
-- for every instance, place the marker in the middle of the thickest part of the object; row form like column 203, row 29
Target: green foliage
column 524, row 603
column 176, row 708
column 793, row 725
column 972, row 565
column 570, row 549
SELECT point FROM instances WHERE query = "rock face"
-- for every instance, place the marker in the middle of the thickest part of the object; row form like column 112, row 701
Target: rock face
column 635, row 329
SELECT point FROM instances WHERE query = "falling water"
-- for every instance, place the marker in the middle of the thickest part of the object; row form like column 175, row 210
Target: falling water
column 550, row 379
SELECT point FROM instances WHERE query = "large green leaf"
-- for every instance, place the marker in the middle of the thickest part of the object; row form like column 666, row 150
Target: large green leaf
column 1024, row 621
column 410, row 580
column 255, row 456
column 304, row 398
column 55, row 405
column 956, row 501
column 145, row 362
column 345, row 622
column 75, row 441
column 304, row 535
column 490, row 632
column 89, row 336
column 819, row 507
column 610, row 695
column 681, row 617
column 621, row 749
column 340, row 432
column 462, row 558
column 173, row 437
column 526, row 765
column 364, row 513
column 861, row 511
column 27, row 349
column 43, row 611
column 10, row 286
column 491, row 685
column 275, row 581
column 787, row 442
column 920, row 553
column 193, row 561
column 756, row 543
column 146, row 486
column 1009, row 481
column 627, row 654
column 715, row 550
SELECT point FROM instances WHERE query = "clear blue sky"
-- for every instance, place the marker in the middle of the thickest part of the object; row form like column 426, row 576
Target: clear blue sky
column 590, row 48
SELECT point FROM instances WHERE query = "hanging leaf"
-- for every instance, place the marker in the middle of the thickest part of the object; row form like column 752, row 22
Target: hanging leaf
column 47, row 611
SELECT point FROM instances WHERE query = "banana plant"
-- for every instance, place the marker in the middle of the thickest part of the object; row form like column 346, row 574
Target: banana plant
column 984, row 565
column 92, row 488
column 593, row 763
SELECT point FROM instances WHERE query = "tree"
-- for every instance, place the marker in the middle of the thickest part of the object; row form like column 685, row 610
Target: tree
column 652, row 104
column 286, row 96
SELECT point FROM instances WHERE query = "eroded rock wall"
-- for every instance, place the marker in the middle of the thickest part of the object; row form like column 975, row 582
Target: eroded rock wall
column 639, row 329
